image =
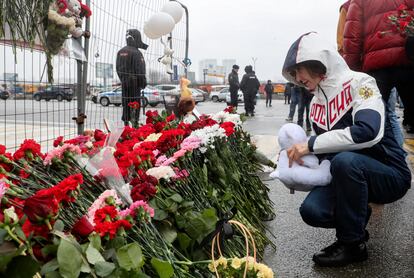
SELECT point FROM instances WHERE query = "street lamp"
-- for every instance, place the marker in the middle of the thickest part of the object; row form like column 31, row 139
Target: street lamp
column 186, row 60
column 254, row 59
column 205, row 71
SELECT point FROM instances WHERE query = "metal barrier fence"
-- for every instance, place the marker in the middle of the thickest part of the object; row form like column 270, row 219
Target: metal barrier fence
column 23, row 74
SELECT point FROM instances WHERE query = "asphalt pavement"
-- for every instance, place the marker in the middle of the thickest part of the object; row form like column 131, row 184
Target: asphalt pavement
column 391, row 227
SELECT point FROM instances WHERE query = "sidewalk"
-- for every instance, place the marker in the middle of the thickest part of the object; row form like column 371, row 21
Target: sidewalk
column 391, row 247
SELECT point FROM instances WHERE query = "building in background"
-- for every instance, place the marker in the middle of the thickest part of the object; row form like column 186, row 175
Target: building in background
column 212, row 73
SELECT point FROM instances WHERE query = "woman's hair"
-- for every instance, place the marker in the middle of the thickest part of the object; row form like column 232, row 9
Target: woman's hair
column 314, row 67
column 185, row 105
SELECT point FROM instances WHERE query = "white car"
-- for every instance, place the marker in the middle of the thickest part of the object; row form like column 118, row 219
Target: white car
column 240, row 97
column 216, row 96
column 197, row 95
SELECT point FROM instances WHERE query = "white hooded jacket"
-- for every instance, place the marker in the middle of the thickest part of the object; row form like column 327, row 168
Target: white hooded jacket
column 347, row 110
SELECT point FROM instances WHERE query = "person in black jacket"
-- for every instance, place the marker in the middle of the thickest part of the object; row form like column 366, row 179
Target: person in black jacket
column 304, row 104
column 234, row 85
column 249, row 86
column 130, row 67
column 269, row 91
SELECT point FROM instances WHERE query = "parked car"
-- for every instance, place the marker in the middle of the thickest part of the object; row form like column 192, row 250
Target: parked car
column 240, row 97
column 197, row 95
column 219, row 95
column 59, row 93
column 105, row 98
column 4, row 94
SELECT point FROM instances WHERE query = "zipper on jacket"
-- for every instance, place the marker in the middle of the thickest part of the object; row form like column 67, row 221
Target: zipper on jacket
column 326, row 107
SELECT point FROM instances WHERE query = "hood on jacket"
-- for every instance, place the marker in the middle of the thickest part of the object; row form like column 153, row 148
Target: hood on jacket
column 133, row 38
column 311, row 47
column 248, row 69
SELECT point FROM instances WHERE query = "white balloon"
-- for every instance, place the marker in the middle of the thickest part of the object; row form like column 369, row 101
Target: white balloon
column 160, row 24
column 174, row 9
column 149, row 34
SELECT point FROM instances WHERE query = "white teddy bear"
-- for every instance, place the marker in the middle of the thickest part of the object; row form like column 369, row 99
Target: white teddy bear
column 167, row 59
column 299, row 177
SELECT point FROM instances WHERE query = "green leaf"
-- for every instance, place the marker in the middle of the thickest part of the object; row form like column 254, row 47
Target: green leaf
column 95, row 241
column 69, row 258
column 85, row 267
column 163, row 268
column 160, row 214
column 169, row 233
column 22, row 267
column 53, row 274
column 3, row 233
column 50, row 249
column 184, row 240
column 195, row 227
column 59, row 226
column 180, row 220
column 50, row 266
column 130, row 256
column 176, row 198
column 7, row 252
column 210, row 218
column 104, row 268
column 93, row 255
column 19, row 232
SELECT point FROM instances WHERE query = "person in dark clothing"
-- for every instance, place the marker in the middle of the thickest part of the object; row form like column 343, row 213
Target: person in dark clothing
column 130, row 67
column 249, row 86
column 295, row 100
column 288, row 89
column 269, row 91
column 304, row 105
column 234, row 85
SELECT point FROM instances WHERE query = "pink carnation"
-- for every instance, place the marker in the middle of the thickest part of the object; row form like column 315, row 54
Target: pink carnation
column 169, row 161
column 3, row 189
column 160, row 160
column 179, row 153
column 191, row 143
column 141, row 204
column 59, row 153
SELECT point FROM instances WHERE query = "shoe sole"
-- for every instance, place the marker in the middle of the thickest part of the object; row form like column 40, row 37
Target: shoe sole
column 340, row 264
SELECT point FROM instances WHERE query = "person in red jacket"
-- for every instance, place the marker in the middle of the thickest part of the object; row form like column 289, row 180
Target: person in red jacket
column 382, row 57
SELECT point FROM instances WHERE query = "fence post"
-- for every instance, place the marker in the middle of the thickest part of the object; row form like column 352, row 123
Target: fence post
column 82, row 79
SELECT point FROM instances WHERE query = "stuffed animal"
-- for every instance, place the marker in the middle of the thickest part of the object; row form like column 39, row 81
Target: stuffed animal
column 185, row 92
column 299, row 177
column 166, row 59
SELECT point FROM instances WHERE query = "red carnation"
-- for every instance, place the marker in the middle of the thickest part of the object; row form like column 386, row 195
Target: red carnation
column 134, row 105
column 2, row 149
column 58, row 141
column 228, row 127
column 99, row 135
column 82, row 227
column 28, row 149
column 41, row 207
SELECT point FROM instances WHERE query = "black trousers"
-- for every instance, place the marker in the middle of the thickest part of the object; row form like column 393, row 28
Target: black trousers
column 402, row 79
column 249, row 101
column 268, row 99
column 234, row 97
column 131, row 92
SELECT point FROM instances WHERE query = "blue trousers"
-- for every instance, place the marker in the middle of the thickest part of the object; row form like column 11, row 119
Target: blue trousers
column 356, row 180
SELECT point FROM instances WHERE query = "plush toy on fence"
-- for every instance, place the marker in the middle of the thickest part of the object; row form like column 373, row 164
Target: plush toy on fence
column 299, row 177
column 167, row 58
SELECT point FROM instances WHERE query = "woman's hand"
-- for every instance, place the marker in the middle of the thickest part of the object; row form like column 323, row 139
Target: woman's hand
column 296, row 152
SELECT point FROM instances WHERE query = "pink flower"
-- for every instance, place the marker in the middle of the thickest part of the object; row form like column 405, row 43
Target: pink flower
column 169, row 161
column 134, row 208
column 190, row 143
column 124, row 213
column 179, row 153
column 59, row 152
column 160, row 160
column 3, row 189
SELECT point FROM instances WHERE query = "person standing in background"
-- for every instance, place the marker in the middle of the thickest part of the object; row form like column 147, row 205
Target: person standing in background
column 304, row 106
column 341, row 26
column 130, row 67
column 249, row 86
column 288, row 89
column 295, row 100
column 383, row 57
column 269, row 91
column 233, row 80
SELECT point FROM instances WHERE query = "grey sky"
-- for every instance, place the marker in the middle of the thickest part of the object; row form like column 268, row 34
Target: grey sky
column 265, row 29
